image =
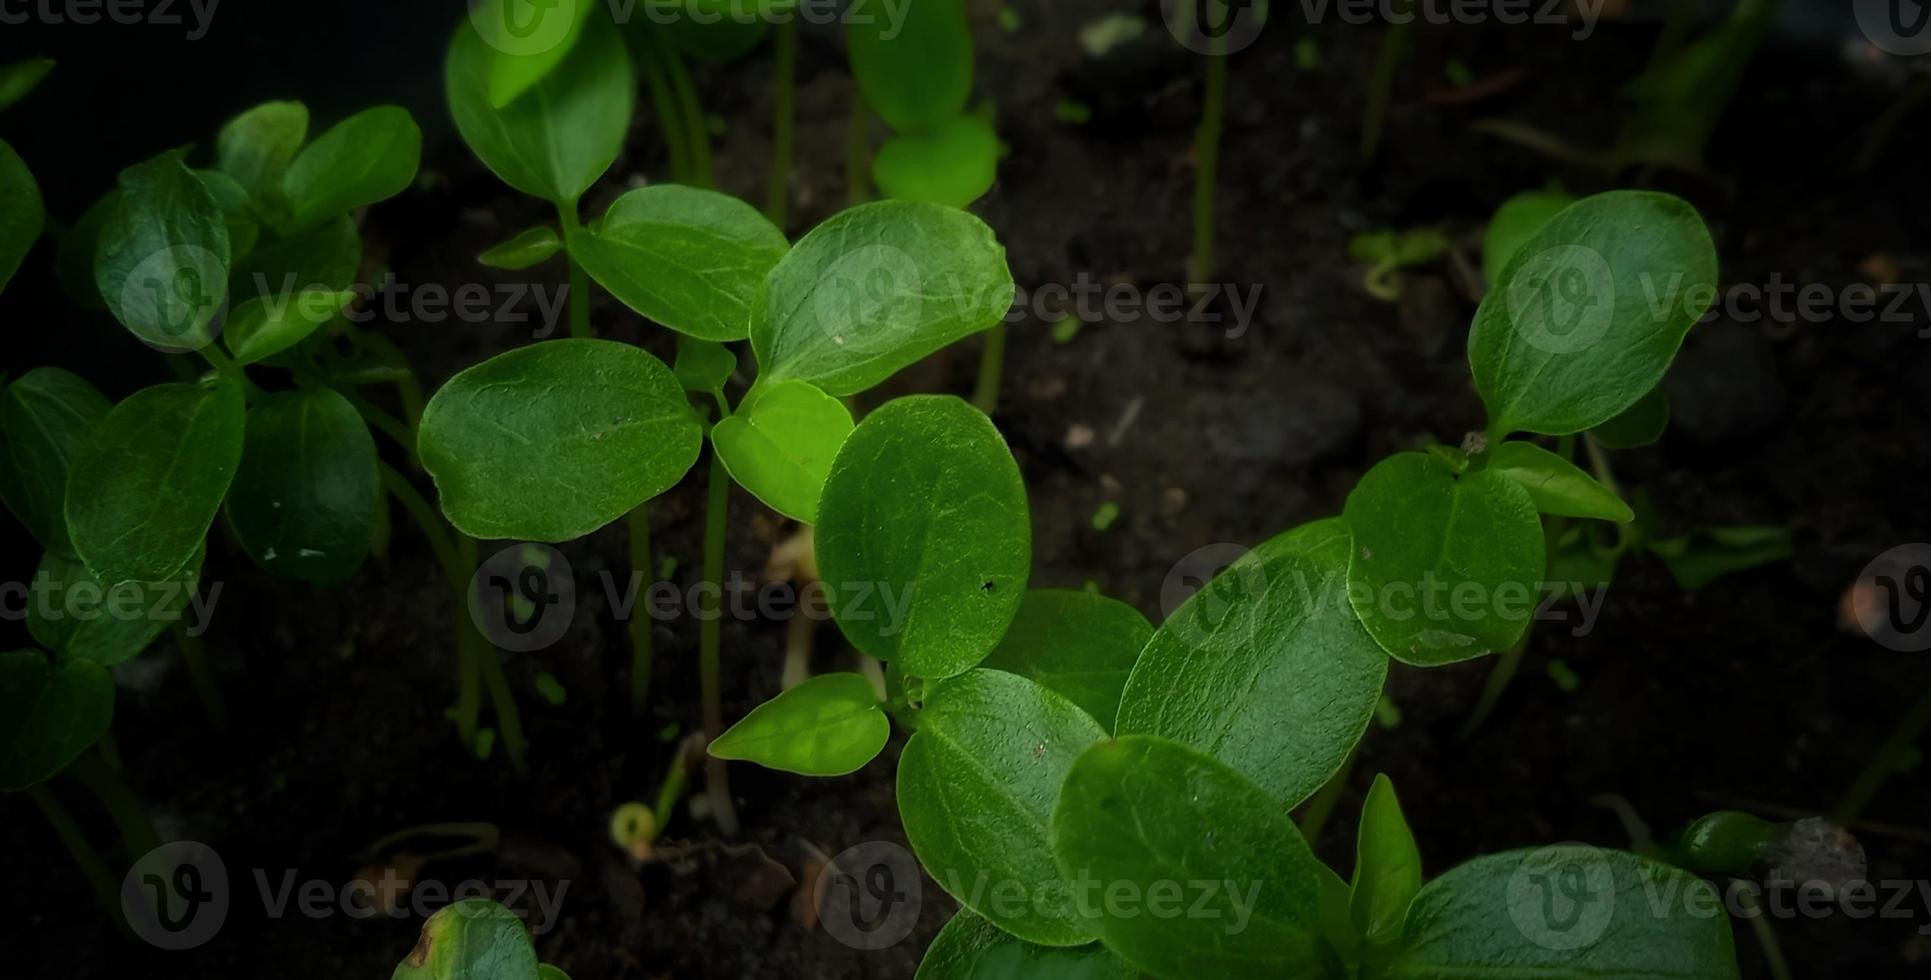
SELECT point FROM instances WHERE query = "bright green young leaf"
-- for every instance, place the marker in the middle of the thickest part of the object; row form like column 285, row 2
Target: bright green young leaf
column 916, row 68
column 1590, row 311
column 1706, row 554
column 303, row 503
column 780, row 444
column 147, row 482
column 162, row 268
column 24, row 215
column 474, row 939
column 976, row 788
column 74, row 265
column 49, row 713
column 567, row 130
column 970, row 948
column 1638, row 425
column 1515, row 222
column 45, row 416
column 1443, row 567
column 256, row 147
column 72, row 613
column 1079, row 645
column 1268, row 640
column 1556, row 485
column 20, row 78
column 692, row 260
column 261, row 328
column 703, row 366
column 924, row 542
column 1387, row 867
column 370, row 156
column 954, row 164
column 237, row 211
column 830, row 725
column 1337, row 922
column 528, row 39
column 553, row 441
column 875, row 288
column 325, row 260
column 1149, row 822
column 527, row 248
column 1567, row 912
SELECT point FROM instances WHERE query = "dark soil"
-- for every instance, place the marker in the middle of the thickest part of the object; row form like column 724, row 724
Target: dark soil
column 1742, row 694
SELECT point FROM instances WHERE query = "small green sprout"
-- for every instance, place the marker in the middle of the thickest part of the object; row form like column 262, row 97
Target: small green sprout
column 474, row 939
column 917, row 76
column 1388, row 252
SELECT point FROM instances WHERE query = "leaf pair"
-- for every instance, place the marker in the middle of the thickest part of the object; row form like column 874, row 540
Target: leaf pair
column 915, row 70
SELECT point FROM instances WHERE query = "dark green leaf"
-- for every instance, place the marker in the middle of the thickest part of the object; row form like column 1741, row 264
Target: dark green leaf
column 75, row 262
column 237, row 211
column 324, row 260
column 1078, row 645
column 703, row 366
column 780, row 444
column 474, row 939
column 1638, row 425
column 21, row 221
column 924, row 543
column 49, row 713
column 553, row 441
column 954, row 164
column 73, row 614
column 256, row 147
column 721, row 31
column 1556, row 485
column 970, row 948
column 261, row 328
column 303, row 503
column 370, row 156
column 1706, row 554
column 876, row 288
column 830, row 725
column 1444, row 567
column 163, row 262
column 1515, row 222
column 45, row 416
column 692, row 260
column 1387, row 867
column 1270, row 638
column 20, row 78
column 915, row 69
column 527, row 40
column 529, row 247
column 976, row 788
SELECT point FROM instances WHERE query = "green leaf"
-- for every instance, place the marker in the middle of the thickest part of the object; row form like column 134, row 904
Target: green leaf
column 72, row 613
column 162, row 268
column 1567, row 911
column 237, row 211
column 256, row 147
column 924, row 543
column 703, row 366
column 875, row 288
column 692, row 260
column 528, row 38
column 261, row 328
column 1144, row 824
column 325, row 259
column 548, row 972
column 1078, row 645
column 915, row 69
column 976, row 788
column 1590, row 311
column 1515, row 222
column 830, row 725
column 474, row 939
column 1387, row 867
column 553, row 441
column 49, row 714
column 1444, row 567
column 555, row 142
column 45, row 416
column 1556, row 485
column 970, row 948
column 21, row 222
column 20, row 78
column 74, row 264
column 955, row 164
column 370, row 156
column 529, row 247
column 780, row 444
column 1706, row 554
column 147, row 482
column 1581, row 563
column 303, row 503
column 1638, row 425
column 729, row 29
column 1270, row 638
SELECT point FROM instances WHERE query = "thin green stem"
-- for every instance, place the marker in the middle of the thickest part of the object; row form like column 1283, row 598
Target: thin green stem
column 201, row 674
column 784, row 85
column 641, row 652
column 396, row 429
column 992, row 363
column 88, row 860
column 1499, row 677
column 710, row 642
column 858, row 151
column 579, row 280
column 695, row 127
column 1895, row 749
column 469, row 651
column 130, row 817
column 509, row 721
column 663, row 101
column 227, row 368
column 1381, row 83
column 672, row 788
column 1206, row 153
column 1773, row 958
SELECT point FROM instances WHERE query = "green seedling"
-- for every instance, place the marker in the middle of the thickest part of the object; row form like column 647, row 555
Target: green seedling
column 1388, row 252
column 474, row 939
column 26, row 214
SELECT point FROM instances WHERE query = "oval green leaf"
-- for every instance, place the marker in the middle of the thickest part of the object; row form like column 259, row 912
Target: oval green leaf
column 876, row 288
column 830, row 725
column 474, row 939
column 692, row 260
column 970, row 948
column 370, row 156
column 527, row 40
column 1444, row 566
column 1590, row 311
column 915, row 68
column 780, row 444
column 322, row 260
column 20, row 78
column 1515, row 222
column 256, row 147
column 1638, row 425
column 303, row 504
column 553, row 441
column 1556, row 485
column 74, row 263
column 924, row 543
column 954, row 164
column 162, row 267
column 265, row 326
column 45, row 416
column 1387, row 867
column 73, row 614
column 1184, row 868
column 529, row 247
column 25, row 214
column 1266, row 668
column 1078, row 645
column 976, row 788
column 147, row 482
column 703, row 366
column 49, row 714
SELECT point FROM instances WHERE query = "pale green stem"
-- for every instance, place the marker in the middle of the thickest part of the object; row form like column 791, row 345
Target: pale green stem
column 130, row 817
column 783, row 121
column 1206, row 153
column 579, row 280
column 710, row 642
column 992, row 363
column 201, row 675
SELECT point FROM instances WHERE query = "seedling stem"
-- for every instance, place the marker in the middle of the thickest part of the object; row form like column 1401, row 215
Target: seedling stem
column 579, row 280
column 641, row 654
column 710, row 634
column 194, row 656
column 783, row 115
column 992, row 363
column 106, row 888
column 1206, row 152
